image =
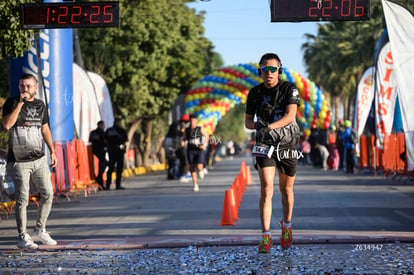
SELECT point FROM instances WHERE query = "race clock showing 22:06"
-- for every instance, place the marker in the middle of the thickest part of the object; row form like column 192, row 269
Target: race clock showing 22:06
column 319, row 10
column 70, row 15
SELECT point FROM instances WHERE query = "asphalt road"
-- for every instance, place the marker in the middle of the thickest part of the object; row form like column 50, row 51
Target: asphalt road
column 334, row 211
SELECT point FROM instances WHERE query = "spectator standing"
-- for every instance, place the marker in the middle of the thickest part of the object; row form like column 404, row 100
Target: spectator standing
column 349, row 146
column 97, row 139
column 340, row 144
column 181, row 151
column 323, row 153
column 175, row 151
column 116, row 138
column 333, row 160
column 27, row 121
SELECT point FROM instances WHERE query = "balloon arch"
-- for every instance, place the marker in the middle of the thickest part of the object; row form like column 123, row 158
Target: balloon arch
column 214, row 95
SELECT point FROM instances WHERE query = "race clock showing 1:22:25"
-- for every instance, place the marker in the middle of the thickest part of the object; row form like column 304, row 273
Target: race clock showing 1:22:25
column 70, row 15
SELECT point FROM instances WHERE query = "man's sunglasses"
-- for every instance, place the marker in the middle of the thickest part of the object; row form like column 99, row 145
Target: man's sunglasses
column 266, row 69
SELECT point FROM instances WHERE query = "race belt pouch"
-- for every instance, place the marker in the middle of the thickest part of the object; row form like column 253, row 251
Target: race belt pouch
column 263, row 150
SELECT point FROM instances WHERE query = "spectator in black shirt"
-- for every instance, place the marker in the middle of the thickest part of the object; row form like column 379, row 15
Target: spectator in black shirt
column 97, row 138
column 116, row 138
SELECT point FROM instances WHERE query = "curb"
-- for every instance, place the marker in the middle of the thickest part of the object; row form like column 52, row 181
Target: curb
column 197, row 241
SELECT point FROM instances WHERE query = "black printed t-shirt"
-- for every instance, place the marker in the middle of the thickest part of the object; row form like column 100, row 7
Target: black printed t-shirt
column 25, row 137
column 269, row 105
column 194, row 138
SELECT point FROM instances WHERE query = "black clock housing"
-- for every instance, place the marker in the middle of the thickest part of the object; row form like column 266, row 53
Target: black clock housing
column 319, row 10
column 70, row 15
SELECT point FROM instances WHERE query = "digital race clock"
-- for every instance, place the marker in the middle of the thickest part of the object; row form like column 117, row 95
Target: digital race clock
column 69, row 15
column 319, row 10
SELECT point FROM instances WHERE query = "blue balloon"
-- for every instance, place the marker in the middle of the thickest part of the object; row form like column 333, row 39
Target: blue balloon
column 306, row 109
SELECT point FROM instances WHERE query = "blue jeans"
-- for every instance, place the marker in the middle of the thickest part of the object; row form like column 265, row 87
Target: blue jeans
column 22, row 174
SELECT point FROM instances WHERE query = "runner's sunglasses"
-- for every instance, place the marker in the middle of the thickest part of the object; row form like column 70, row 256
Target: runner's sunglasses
column 266, row 69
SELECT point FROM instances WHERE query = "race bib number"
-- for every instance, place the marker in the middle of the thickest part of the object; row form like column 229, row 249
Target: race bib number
column 263, row 151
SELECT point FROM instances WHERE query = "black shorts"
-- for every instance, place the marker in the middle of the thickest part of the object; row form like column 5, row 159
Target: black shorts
column 196, row 156
column 285, row 160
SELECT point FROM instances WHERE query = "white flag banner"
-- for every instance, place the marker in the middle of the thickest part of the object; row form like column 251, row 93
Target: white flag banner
column 400, row 25
column 385, row 94
column 92, row 102
column 365, row 96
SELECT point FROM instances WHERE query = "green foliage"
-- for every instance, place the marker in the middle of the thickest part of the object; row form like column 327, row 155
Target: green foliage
column 231, row 126
column 14, row 41
column 337, row 56
column 158, row 52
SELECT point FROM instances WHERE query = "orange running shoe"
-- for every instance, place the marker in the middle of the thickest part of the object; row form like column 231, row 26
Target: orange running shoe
column 265, row 244
column 286, row 238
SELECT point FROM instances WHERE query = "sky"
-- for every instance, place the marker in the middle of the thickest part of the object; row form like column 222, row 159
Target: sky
column 241, row 32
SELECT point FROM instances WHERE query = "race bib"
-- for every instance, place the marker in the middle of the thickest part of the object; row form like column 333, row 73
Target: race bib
column 263, row 151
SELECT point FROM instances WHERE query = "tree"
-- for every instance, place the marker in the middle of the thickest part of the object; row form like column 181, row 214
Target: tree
column 231, row 126
column 13, row 40
column 337, row 56
column 158, row 52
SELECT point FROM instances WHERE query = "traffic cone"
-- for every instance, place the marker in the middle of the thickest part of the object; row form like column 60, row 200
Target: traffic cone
column 227, row 214
column 249, row 176
column 243, row 171
column 234, row 208
column 242, row 182
column 238, row 191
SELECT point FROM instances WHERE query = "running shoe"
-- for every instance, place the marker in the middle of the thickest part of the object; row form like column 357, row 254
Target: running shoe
column 26, row 242
column 41, row 236
column 196, row 188
column 286, row 238
column 200, row 174
column 265, row 244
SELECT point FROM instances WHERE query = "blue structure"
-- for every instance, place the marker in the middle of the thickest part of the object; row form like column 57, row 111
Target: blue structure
column 55, row 74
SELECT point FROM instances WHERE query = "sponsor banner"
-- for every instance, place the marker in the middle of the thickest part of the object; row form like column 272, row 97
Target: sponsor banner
column 400, row 25
column 365, row 96
column 385, row 94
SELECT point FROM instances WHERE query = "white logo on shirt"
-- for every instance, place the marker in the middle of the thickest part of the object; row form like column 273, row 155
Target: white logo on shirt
column 31, row 111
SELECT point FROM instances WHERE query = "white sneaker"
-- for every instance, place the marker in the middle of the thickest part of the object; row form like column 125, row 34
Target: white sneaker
column 41, row 236
column 26, row 242
column 200, row 174
column 184, row 179
column 196, row 189
column 205, row 171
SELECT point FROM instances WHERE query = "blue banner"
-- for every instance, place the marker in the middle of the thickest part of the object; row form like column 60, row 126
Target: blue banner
column 55, row 77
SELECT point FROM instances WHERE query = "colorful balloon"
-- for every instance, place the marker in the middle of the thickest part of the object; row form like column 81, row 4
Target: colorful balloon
column 214, row 95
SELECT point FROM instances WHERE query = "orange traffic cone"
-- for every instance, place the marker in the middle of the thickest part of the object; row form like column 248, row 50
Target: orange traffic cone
column 234, row 208
column 243, row 172
column 249, row 176
column 237, row 190
column 227, row 214
column 242, row 182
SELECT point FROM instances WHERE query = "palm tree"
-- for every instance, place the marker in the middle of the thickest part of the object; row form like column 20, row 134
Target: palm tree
column 340, row 52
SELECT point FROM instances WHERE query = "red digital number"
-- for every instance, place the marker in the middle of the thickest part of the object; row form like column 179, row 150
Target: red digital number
column 344, row 10
column 326, row 9
column 44, row 16
column 358, row 10
column 108, row 14
column 94, row 16
column 63, row 15
column 314, row 8
column 76, row 14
